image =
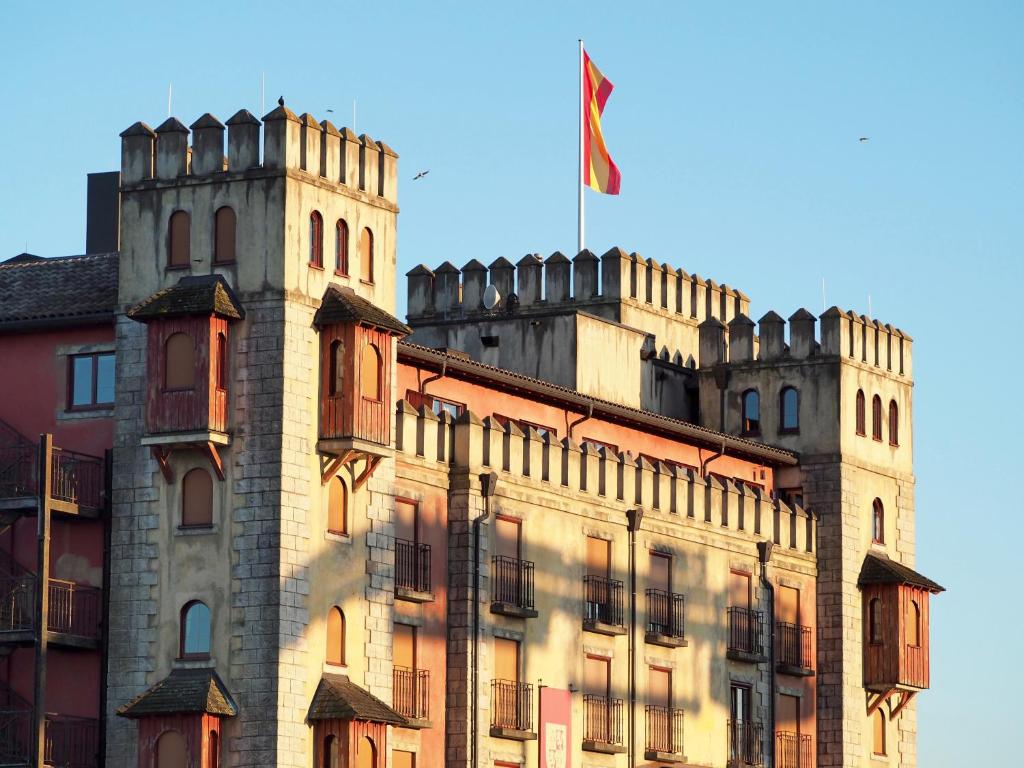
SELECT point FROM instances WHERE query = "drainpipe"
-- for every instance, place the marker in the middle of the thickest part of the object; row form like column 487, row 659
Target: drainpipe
column 633, row 520
column 488, row 483
column 429, row 379
column 581, row 419
column 716, row 455
column 764, row 554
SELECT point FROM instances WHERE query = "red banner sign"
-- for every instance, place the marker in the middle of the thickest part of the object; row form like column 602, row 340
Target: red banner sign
column 555, row 728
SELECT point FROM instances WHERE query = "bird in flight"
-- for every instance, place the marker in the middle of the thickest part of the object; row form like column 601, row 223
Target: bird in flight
column 330, row 110
column 420, row 175
column 864, row 139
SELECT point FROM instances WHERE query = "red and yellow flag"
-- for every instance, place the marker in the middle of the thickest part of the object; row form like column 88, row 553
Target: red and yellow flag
column 599, row 172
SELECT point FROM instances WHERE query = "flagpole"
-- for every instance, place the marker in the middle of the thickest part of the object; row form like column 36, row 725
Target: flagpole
column 579, row 177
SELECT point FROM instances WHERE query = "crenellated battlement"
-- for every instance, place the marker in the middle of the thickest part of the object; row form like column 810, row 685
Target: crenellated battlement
column 289, row 142
column 585, row 281
column 844, row 334
column 563, row 466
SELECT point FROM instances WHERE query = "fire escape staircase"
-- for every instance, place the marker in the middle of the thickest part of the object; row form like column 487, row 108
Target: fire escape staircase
column 70, row 742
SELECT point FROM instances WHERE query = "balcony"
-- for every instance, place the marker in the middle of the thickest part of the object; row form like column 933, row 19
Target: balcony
column 603, row 611
column 602, row 725
column 664, row 735
column 793, row 750
column 746, row 636
column 665, row 619
column 412, row 571
column 512, row 587
column 412, row 696
column 512, row 710
column 745, row 744
column 70, row 742
column 793, row 650
column 73, row 619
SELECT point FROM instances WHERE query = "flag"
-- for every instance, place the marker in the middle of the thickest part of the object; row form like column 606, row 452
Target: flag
column 599, row 172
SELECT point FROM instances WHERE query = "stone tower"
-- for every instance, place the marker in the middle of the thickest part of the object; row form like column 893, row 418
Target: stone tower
column 247, row 246
column 851, row 389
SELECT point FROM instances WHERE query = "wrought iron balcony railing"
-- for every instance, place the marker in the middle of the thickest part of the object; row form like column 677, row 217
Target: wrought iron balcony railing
column 77, row 478
column 666, row 614
column 664, row 730
column 412, row 693
column 793, row 646
column 603, row 598
column 602, row 720
column 511, row 705
column 73, row 609
column 745, row 744
column 746, row 632
column 412, row 566
column 512, row 582
column 793, row 750
column 70, row 742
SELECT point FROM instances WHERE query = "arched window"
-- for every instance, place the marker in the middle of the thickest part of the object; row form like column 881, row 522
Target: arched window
column 370, row 373
column 316, row 239
column 222, row 361
column 337, row 506
column 337, row 371
column 877, row 522
column 914, row 624
column 861, row 417
column 366, row 755
column 224, row 236
column 894, row 423
column 214, row 756
column 751, row 412
column 171, row 750
column 876, row 418
column 332, row 752
column 875, row 621
column 196, row 498
column 179, row 232
column 335, row 636
column 341, row 248
column 195, row 631
column 789, row 410
column 878, row 741
column 366, row 255
column 179, row 362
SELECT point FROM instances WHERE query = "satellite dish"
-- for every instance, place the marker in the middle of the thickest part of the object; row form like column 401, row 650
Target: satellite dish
column 491, row 297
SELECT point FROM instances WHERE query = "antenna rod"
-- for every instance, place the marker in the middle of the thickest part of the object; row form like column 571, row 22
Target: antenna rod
column 170, row 92
column 263, row 93
column 354, row 117
column 824, row 304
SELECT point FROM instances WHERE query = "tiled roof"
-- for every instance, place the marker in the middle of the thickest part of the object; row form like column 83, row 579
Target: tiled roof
column 878, row 569
column 184, row 690
column 343, row 305
column 193, row 295
column 338, row 698
column 37, row 291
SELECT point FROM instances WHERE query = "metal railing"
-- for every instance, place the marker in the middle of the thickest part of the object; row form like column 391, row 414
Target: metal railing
column 793, row 750
column 18, row 475
column 412, row 693
column 665, row 613
column 512, row 581
column 602, row 719
column 664, row 729
column 746, row 631
column 603, row 600
column 74, row 609
column 793, row 645
column 412, row 565
column 512, row 705
column 70, row 742
column 745, row 743
column 77, row 478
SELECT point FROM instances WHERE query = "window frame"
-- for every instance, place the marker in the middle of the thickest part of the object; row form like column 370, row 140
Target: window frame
column 914, row 620
column 379, row 364
column 218, row 260
column 894, row 423
column 182, row 525
column 346, row 497
column 316, row 240
column 366, row 259
column 171, row 240
column 877, row 522
column 861, row 414
column 876, row 418
column 879, row 717
column 335, row 610
column 750, row 427
column 341, row 249
column 336, row 359
column 183, row 629
column 221, row 363
column 93, row 404
column 875, row 635
column 167, row 366
column 783, row 429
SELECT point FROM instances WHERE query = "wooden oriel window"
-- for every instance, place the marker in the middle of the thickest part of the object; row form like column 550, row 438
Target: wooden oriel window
column 861, row 417
column 875, row 621
column 180, row 362
column 196, row 498
column 178, row 233
column 172, row 750
column 90, row 380
column 894, row 423
column 877, row 522
column 789, row 410
column 195, row 631
column 751, row 422
column 316, row 240
column 337, row 506
column 224, row 226
column 335, row 636
column 366, row 255
column 221, row 361
column 341, row 248
column 878, row 736
column 876, row 418
column 370, row 373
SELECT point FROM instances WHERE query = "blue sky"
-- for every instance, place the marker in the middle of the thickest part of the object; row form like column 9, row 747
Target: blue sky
column 736, row 129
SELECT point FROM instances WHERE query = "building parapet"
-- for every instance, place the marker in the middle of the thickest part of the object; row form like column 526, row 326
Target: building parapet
column 555, row 282
column 527, row 455
column 290, row 142
column 843, row 334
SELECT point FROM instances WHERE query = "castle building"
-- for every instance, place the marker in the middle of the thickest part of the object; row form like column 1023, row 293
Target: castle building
column 571, row 512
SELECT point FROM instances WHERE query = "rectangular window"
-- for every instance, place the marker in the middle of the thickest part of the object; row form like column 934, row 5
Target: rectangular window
column 788, row 718
column 610, row 448
column 599, row 557
column 401, row 759
column 435, row 404
column 597, row 676
column 91, row 380
column 789, row 605
column 405, row 646
column 523, row 424
column 659, row 687
column 508, row 534
column 739, row 703
column 407, row 520
column 739, row 589
column 506, row 659
column 659, row 575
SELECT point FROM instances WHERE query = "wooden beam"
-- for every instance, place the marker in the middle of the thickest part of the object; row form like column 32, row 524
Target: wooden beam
column 905, row 698
column 42, row 606
column 879, row 700
column 371, row 464
column 210, row 449
column 330, row 469
column 161, row 457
